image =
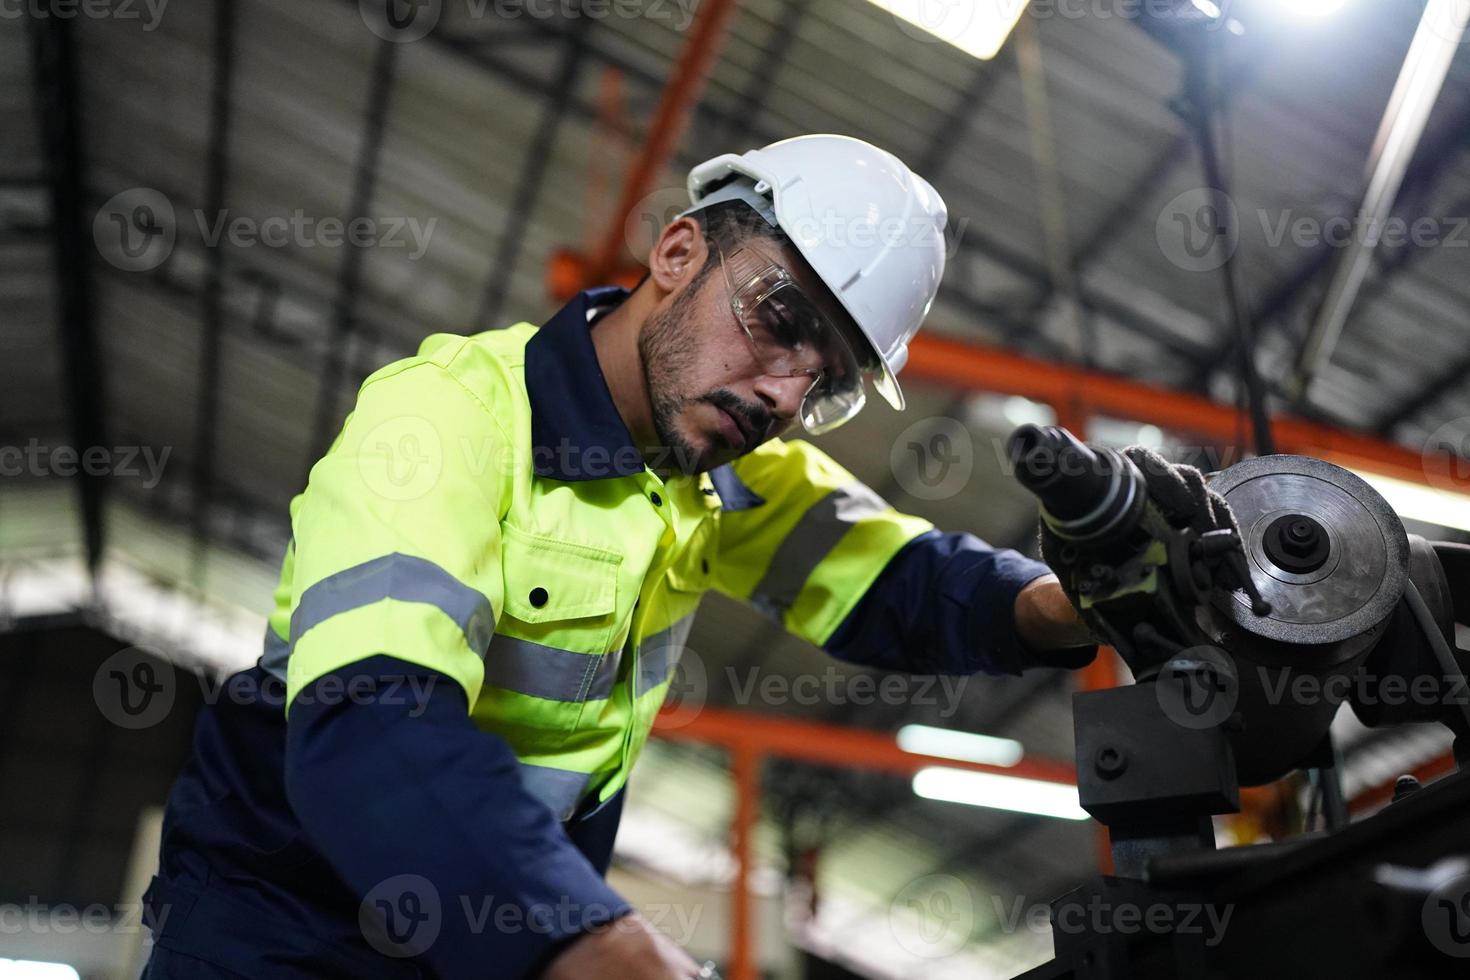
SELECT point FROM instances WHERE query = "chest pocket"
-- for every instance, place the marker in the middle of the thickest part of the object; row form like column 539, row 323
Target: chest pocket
column 549, row 656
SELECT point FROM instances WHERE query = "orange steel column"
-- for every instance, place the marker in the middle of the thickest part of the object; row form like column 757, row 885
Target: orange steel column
column 746, row 764
column 972, row 367
column 681, row 93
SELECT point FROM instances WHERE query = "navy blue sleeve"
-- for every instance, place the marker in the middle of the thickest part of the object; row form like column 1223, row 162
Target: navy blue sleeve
column 425, row 817
column 945, row 604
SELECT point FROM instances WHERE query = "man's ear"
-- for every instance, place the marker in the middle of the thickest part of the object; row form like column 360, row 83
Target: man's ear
column 678, row 255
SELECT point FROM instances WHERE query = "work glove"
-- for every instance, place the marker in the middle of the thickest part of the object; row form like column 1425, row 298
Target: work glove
column 1179, row 493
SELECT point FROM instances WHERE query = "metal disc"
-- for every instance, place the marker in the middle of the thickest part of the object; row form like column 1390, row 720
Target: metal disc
column 1364, row 576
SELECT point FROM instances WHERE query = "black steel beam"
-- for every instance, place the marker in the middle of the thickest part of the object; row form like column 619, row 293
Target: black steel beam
column 58, row 90
column 763, row 76
column 951, row 132
column 1435, row 155
column 533, row 171
column 211, row 312
column 350, row 278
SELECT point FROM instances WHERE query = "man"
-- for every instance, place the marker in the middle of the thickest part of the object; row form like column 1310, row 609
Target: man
column 494, row 568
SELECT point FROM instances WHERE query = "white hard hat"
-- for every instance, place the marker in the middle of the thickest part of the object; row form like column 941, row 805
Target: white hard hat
column 870, row 227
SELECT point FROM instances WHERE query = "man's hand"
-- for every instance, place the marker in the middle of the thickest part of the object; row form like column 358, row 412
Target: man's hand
column 1050, row 627
column 629, row 948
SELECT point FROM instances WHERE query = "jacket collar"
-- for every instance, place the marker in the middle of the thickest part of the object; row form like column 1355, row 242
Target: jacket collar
column 576, row 431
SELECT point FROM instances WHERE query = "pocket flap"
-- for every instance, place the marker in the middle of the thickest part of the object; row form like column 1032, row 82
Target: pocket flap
column 547, row 579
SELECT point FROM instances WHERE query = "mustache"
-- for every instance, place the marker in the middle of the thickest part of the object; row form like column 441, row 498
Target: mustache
column 757, row 418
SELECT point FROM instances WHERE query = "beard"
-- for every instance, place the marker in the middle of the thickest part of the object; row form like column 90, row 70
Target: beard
column 670, row 349
column 669, row 352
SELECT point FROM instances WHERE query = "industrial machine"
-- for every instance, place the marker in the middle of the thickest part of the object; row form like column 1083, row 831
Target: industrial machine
column 1245, row 637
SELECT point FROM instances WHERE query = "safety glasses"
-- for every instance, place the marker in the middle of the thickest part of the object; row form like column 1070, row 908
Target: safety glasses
column 790, row 336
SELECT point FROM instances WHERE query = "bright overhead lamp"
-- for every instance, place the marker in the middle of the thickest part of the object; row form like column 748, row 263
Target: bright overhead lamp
column 964, row 746
column 1311, row 8
column 999, row 792
column 978, row 28
column 1418, row 502
column 36, row 970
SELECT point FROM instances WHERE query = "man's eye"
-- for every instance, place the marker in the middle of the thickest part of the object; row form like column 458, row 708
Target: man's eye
column 783, row 326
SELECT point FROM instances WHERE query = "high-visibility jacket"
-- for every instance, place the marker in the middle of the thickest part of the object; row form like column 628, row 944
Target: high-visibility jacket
column 455, row 525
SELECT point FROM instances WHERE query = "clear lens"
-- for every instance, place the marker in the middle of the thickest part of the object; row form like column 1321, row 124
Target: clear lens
column 790, row 336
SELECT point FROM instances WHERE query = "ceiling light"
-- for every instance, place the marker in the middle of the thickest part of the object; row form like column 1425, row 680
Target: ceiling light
column 999, row 792
column 1312, row 8
column 1418, row 502
column 978, row 28
column 36, row 970
column 964, row 746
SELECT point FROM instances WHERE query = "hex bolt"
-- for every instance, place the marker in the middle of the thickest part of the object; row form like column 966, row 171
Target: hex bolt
column 1110, row 762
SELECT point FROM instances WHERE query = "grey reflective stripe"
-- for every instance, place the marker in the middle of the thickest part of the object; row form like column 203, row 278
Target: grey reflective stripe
column 549, row 672
column 809, row 542
column 274, row 655
column 734, row 494
column 404, row 578
column 560, row 789
column 659, row 655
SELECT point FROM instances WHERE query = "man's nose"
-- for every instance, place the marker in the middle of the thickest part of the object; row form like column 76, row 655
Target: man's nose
column 783, row 395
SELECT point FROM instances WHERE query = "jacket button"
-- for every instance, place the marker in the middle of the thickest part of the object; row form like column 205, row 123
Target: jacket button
column 538, row 597
column 657, row 500
column 704, row 566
